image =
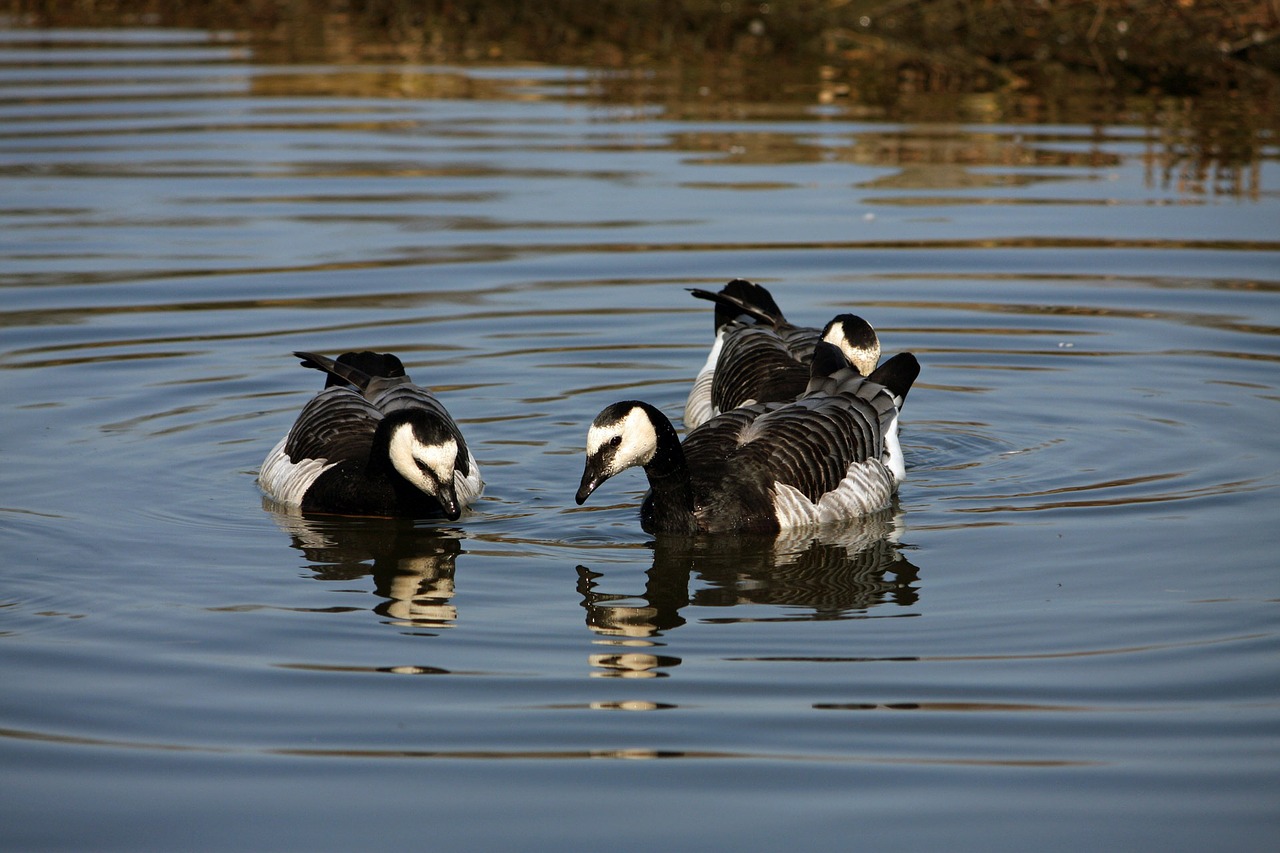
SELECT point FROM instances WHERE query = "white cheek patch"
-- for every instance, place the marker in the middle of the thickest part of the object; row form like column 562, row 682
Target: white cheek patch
column 597, row 436
column 439, row 458
column 401, row 449
column 406, row 452
column 862, row 358
column 639, row 441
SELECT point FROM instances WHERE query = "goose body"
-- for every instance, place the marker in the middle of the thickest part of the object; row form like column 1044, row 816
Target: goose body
column 372, row 443
column 757, row 356
column 831, row 454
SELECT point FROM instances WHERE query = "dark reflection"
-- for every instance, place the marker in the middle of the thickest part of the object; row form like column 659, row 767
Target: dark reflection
column 838, row 574
column 412, row 565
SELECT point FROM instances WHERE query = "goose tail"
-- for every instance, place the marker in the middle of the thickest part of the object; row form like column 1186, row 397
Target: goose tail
column 356, row 369
column 740, row 297
column 897, row 374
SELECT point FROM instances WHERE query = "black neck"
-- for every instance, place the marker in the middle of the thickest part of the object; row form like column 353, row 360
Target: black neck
column 379, row 462
column 670, row 505
column 379, row 468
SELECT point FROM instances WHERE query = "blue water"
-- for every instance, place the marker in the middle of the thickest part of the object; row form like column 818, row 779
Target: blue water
column 1064, row 635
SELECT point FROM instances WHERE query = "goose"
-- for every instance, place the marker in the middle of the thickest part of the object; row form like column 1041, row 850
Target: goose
column 759, row 357
column 829, row 455
column 372, row 443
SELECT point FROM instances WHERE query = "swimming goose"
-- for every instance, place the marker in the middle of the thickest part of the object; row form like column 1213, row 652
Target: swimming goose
column 831, row 454
column 372, row 443
column 759, row 357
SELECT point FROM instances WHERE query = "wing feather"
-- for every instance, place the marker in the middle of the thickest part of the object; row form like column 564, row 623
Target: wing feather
column 811, row 444
column 812, row 453
column 800, row 341
column 336, row 425
column 710, row 446
column 756, row 365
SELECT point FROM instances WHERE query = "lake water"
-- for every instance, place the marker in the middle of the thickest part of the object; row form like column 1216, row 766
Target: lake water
column 1066, row 635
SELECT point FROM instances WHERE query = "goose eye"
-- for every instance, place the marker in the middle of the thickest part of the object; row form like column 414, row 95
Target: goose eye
column 615, row 441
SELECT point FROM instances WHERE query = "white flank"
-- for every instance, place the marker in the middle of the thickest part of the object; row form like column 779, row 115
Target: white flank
column 868, row 487
column 698, row 408
column 285, row 481
column 468, row 489
column 894, row 459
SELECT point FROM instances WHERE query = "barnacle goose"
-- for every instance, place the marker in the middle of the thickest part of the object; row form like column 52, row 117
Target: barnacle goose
column 372, row 443
column 759, row 357
column 829, row 455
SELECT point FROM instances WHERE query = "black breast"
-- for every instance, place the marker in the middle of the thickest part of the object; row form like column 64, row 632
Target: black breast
column 349, row 488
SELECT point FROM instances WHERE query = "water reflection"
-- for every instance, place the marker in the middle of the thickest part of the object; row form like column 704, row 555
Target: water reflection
column 412, row 566
column 838, row 574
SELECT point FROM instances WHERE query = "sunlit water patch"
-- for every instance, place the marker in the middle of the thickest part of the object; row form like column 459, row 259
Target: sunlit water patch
column 1069, row 610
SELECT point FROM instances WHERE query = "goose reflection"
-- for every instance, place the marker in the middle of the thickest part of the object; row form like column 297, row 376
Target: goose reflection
column 412, row 566
column 829, row 575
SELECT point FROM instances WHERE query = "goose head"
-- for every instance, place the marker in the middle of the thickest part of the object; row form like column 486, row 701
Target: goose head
column 425, row 452
column 856, row 339
column 622, row 436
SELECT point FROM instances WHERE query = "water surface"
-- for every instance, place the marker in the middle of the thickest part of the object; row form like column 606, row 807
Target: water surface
column 1063, row 635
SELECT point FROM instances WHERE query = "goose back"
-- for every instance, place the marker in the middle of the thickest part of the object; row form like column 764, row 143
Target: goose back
column 758, row 356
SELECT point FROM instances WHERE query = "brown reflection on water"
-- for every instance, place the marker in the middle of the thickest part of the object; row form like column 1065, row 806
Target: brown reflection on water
column 1219, row 155
column 409, row 82
column 1205, row 84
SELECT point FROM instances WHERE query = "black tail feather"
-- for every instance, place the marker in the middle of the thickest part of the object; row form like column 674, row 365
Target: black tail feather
column 338, row 372
column 740, row 297
column 897, row 374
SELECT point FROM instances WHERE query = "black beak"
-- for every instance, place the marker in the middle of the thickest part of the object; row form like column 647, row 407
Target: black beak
column 591, row 480
column 449, row 502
